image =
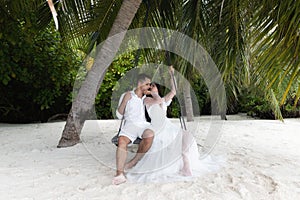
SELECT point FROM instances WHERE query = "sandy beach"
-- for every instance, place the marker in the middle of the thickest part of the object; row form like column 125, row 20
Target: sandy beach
column 262, row 162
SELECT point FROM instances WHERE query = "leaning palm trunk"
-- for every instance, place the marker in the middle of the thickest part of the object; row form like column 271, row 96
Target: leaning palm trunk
column 188, row 103
column 85, row 98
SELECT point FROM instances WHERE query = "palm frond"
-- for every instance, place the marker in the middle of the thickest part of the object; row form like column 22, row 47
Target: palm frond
column 276, row 43
column 84, row 21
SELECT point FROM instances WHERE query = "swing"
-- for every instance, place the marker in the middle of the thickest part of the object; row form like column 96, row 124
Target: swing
column 114, row 140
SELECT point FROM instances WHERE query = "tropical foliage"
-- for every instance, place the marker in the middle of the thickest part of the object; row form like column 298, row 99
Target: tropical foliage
column 255, row 44
column 37, row 69
column 118, row 68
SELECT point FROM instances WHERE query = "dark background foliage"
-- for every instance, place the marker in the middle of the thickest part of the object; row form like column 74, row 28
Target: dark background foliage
column 37, row 70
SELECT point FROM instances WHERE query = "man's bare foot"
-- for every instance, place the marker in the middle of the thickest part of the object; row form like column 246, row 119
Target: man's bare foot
column 117, row 180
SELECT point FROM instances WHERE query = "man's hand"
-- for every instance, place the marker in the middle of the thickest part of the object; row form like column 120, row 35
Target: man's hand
column 127, row 97
column 147, row 92
column 123, row 104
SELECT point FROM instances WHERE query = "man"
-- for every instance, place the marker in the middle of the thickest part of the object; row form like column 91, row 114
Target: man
column 135, row 125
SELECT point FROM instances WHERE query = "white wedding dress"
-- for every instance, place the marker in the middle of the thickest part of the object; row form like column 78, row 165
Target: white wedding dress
column 164, row 160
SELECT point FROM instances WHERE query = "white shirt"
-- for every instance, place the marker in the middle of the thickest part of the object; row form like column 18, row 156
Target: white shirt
column 134, row 110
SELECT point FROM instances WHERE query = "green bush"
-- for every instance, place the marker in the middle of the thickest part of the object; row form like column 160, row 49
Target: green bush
column 255, row 104
column 118, row 68
column 37, row 72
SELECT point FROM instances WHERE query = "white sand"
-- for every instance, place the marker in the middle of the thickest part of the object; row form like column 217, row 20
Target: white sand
column 263, row 162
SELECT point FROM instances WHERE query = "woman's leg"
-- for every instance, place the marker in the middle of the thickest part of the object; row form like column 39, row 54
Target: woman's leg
column 187, row 139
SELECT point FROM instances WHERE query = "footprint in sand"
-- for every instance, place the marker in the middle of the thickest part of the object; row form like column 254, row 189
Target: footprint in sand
column 69, row 171
column 267, row 181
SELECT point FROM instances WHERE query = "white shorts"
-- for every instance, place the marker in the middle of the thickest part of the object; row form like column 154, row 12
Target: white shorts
column 133, row 130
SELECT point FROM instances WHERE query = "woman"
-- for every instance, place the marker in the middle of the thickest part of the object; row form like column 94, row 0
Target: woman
column 174, row 154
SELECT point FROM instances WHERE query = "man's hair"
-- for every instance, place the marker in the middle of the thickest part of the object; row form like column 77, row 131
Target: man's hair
column 142, row 77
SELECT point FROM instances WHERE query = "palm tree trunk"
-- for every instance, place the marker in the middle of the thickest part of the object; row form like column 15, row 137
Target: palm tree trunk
column 85, row 98
column 188, row 103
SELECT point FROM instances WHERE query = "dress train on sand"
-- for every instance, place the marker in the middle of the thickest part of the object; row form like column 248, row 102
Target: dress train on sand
column 164, row 160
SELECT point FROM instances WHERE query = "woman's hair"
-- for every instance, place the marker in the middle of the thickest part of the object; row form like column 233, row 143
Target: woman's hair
column 159, row 88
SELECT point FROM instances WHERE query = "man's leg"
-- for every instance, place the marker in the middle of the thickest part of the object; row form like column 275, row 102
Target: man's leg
column 144, row 146
column 121, row 155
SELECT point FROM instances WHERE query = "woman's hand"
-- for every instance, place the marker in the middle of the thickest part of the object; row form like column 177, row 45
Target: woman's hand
column 172, row 93
column 171, row 70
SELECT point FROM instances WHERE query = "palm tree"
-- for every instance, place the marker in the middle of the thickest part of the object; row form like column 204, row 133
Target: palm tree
column 85, row 98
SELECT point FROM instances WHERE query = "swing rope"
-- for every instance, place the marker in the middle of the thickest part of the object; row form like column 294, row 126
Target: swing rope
column 168, row 58
column 138, row 53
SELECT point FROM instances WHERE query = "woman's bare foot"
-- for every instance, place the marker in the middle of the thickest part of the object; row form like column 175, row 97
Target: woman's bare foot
column 186, row 171
column 130, row 165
